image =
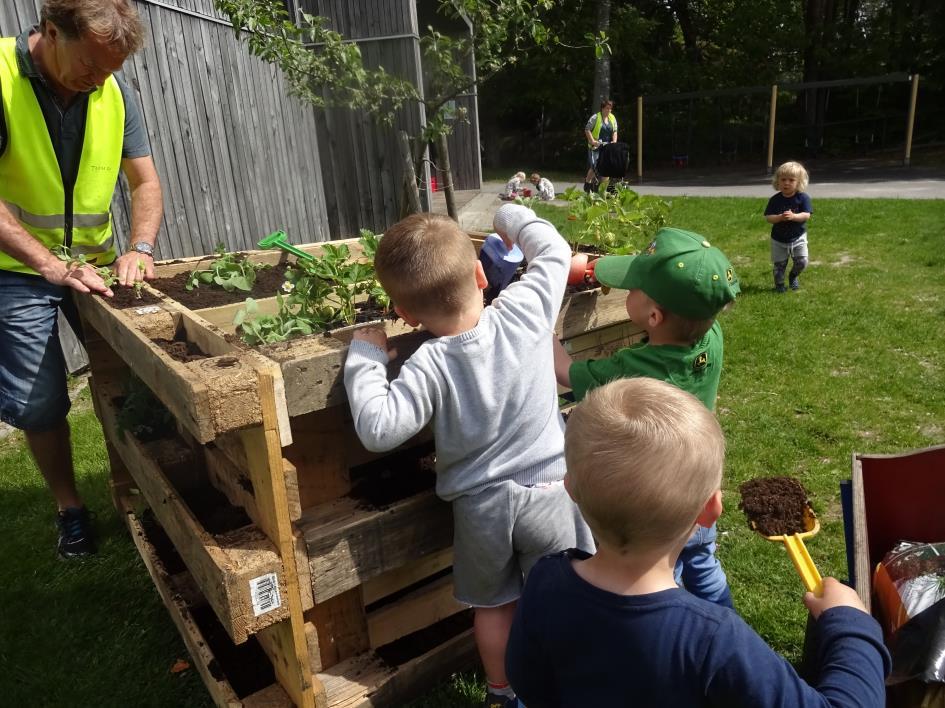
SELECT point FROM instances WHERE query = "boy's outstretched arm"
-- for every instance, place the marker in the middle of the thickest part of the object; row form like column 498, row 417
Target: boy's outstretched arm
column 562, row 363
column 385, row 414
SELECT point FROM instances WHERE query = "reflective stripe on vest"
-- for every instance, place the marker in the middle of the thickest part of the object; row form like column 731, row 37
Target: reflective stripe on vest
column 611, row 119
column 31, row 185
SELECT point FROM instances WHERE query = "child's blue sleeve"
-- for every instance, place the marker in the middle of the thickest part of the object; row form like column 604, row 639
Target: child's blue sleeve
column 806, row 204
column 772, row 207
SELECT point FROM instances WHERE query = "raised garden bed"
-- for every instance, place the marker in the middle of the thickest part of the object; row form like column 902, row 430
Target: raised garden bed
column 358, row 543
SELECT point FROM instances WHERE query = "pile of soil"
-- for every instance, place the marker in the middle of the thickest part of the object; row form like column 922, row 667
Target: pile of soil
column 774, row 505
column 163, row 546
column 245, row 665
column 124, row 298
column 181, row 349
column 267, row 284
column 377, row 485
column 213, row 510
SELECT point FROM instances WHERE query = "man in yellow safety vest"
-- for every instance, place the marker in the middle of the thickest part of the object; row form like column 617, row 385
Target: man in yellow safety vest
column 67, row 126
column 601, row 128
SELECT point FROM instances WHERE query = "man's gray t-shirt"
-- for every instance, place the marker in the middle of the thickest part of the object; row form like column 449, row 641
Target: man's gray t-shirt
column 67, row 124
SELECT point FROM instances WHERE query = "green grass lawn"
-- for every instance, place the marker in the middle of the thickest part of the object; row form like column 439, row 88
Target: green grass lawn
column 850, row 363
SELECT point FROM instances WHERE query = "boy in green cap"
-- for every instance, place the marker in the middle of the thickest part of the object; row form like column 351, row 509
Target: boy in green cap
column 676, row 287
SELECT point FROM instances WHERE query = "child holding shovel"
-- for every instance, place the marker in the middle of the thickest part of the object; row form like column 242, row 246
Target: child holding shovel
column 676, row 287
column 485, row 383
column 645, row 466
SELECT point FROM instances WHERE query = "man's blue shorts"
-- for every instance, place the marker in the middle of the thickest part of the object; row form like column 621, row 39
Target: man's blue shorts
column 33, row 394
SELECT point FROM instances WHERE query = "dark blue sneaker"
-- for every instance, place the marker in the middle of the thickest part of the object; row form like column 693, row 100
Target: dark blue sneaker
column 795, row 283
column 494, row 700
column 780, row 288
column 76, row 538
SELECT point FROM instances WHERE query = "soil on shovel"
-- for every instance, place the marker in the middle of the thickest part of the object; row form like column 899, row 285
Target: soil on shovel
column 267, row 284
column 774, row 505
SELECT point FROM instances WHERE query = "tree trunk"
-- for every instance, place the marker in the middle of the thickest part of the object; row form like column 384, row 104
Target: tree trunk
column 412, row 202
column 688, row 29
column 443, row 165
column 602, row 64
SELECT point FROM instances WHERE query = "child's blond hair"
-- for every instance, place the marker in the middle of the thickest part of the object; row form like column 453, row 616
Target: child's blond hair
column 791, row 169
column 643, row 458
column 427, row 265
column 520, row 176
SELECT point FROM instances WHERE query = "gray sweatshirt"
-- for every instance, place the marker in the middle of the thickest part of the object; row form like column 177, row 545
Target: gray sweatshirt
column 490, row 392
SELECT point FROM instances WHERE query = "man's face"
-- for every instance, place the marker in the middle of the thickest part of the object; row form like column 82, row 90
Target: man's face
column 84, row 63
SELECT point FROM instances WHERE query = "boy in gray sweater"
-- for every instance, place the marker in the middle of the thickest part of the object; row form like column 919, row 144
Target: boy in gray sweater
column 486, row 384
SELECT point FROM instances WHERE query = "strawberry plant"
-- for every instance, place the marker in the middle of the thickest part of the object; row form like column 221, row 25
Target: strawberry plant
column 74, row 262
column 231, row 271
column 620, row 223
column 316, row 296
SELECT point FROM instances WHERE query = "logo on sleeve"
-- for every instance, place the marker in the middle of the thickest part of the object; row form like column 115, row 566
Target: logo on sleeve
column 700, row 362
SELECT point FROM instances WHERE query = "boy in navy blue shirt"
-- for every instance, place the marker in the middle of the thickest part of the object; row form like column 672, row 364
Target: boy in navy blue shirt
column 644, row 463
column 788, row 212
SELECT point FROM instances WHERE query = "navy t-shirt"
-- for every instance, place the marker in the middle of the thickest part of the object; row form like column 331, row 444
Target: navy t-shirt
column 787, row 231
column 574, row 645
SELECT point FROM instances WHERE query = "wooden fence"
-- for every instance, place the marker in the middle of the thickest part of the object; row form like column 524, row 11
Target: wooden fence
column 237, row 157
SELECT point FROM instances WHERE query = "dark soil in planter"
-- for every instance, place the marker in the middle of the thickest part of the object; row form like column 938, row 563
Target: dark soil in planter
column 180, row 349
column 213, row 510
column 376, row 485
column 245, row 666
column 146, row 429
column 163, row 546
column 413, row 645
column 774, row 505
column 125, row 298
column 267, row 284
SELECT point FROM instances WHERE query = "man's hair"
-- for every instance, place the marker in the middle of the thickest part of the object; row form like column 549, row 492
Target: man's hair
column 643, row 458
column 791, row 169
column 535, row 177
column 426, row 263
column 113, row 21
column 606, row 102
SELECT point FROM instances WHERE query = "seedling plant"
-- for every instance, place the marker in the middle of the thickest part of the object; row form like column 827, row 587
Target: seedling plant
column 317, row 296
column 620, row 223
column 231, row 271
column 75, row 261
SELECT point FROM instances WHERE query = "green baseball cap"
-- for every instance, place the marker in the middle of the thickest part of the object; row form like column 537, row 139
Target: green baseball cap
column 679, row 270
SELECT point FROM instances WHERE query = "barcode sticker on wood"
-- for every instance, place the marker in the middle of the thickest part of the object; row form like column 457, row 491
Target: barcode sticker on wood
column 265, row 594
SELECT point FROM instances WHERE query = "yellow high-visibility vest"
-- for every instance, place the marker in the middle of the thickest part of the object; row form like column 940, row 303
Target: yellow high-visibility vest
column 611, row 119
column 31, row 184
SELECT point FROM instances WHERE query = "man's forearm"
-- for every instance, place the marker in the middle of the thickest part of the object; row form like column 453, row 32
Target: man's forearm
column 18, row 243
column 147, row 209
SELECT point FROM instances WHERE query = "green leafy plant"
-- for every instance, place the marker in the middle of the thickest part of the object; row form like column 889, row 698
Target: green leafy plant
column 231, row 271
column 317, row 295
column 76, row 261
column 619, row 223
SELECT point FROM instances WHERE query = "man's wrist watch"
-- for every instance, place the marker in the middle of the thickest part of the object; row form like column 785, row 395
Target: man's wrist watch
column 144, row 248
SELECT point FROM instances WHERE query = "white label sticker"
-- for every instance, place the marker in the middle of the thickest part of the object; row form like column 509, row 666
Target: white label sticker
column 147, row 310
column 265, row 593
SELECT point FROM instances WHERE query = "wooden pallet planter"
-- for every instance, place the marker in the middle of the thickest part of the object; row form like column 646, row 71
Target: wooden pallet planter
column 269, row 429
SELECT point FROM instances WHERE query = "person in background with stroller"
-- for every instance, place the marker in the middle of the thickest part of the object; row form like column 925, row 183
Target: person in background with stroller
column 601, row 128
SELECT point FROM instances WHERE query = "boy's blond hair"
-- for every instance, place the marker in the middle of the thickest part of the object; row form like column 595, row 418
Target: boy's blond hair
column 643, row 458
column 519, row 176
column 426, row 263
column 791, row 169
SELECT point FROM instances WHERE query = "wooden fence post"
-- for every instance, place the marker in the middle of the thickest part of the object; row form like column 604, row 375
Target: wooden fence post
column 771, row 121
column 911, row 120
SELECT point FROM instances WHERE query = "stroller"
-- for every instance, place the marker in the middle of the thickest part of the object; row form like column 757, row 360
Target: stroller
column 613, row 161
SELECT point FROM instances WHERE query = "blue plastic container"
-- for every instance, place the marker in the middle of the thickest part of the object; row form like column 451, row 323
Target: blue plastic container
column 499, row 264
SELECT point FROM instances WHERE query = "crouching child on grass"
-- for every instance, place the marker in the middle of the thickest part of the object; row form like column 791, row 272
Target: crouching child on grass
column 644, row 466
column 486, row 384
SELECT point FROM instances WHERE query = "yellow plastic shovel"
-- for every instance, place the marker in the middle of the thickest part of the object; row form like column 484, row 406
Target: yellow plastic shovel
column 798, row 552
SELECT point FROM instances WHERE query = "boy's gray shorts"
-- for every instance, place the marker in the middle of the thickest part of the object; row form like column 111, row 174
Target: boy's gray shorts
column 795, row 249
column 500, row 533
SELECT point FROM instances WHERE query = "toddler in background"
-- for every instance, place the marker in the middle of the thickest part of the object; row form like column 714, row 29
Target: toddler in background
column 788, row 212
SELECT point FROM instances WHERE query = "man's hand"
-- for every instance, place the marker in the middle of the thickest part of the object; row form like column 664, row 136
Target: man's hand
column 134, row 266
column 82, row 279
column 375, row 336
column 836, row 594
